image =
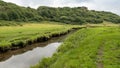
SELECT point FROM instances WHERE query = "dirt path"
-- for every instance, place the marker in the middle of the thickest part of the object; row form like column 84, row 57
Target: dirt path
column 100, row 60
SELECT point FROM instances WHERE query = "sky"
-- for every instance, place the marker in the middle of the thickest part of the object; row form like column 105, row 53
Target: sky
column 101, row 5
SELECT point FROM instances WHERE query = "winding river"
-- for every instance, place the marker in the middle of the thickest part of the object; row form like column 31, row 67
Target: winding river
column 31, row 55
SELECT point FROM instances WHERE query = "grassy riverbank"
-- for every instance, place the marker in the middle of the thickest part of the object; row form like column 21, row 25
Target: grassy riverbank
column 87, row 48
column 20, row 36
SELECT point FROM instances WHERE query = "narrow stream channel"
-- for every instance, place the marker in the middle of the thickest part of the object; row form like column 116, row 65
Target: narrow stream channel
column 31, row 55
column 29, row 58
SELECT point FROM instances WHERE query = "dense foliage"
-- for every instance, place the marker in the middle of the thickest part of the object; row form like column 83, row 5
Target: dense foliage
column 10, row 12
column 76, row 15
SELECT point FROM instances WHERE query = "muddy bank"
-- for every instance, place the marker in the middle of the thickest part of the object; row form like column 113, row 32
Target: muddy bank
column 21, row 44
column 54, row 38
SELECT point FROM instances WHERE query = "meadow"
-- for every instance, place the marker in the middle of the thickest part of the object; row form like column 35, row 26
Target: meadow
column 87, row 48
column 29, row 33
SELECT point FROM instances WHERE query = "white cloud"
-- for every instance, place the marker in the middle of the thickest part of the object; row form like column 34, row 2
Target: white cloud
column 106, row 5
column 18, row 2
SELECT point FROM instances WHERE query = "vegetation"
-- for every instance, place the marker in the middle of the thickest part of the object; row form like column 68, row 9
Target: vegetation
column 76, row 15
column 10, row 23
column 12, row 12
column 19, row 36
column 87, row 48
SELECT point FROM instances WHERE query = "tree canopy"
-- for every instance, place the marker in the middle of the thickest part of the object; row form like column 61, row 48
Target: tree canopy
column 76, row 15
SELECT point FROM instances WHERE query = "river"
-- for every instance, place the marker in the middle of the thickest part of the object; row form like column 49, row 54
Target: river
column 31, row 55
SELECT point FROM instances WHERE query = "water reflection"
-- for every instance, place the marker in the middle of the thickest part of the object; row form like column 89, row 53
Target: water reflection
column 29, row 58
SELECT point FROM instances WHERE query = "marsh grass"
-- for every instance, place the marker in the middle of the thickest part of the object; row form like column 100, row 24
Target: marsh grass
column 20, row 36
column 81, row 50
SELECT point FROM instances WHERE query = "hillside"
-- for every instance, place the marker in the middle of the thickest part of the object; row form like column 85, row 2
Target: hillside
column 12, row 12
column 76, row 15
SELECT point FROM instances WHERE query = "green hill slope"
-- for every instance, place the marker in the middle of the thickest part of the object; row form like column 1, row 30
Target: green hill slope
column 76, row 15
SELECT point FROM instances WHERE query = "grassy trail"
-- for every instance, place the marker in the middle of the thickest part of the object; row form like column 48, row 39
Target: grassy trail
column 100, row 58
column 87, row 48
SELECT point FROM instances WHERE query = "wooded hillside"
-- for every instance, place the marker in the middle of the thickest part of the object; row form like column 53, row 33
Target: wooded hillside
column 76, row 15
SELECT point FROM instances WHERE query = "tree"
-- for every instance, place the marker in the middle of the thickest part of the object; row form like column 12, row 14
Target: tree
column 4, row 16
column 13, row 15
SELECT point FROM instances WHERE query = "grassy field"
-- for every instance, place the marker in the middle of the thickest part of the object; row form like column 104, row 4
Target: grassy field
column 87, row 48
column 29, row 33
column 10, row 23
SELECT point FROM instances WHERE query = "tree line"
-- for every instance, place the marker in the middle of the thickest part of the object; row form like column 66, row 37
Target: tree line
column 76, row 15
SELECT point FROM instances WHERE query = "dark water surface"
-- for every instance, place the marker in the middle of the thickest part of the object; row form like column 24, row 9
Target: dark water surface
column 31, row 55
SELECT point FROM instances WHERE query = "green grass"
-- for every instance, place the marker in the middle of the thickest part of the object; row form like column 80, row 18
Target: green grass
column 87, row 48
column 20, row 35
column 10, row 23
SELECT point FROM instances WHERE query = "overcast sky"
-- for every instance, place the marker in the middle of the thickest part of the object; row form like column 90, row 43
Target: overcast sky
column 103, row 5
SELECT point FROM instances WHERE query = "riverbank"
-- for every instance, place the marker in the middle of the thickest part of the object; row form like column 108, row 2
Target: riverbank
column 15, row 37
column 6, row 55
column 36, row 52
column 92, row 47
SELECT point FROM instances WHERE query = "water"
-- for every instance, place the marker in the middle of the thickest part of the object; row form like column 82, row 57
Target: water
column 29, row 58
column 31, row 55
